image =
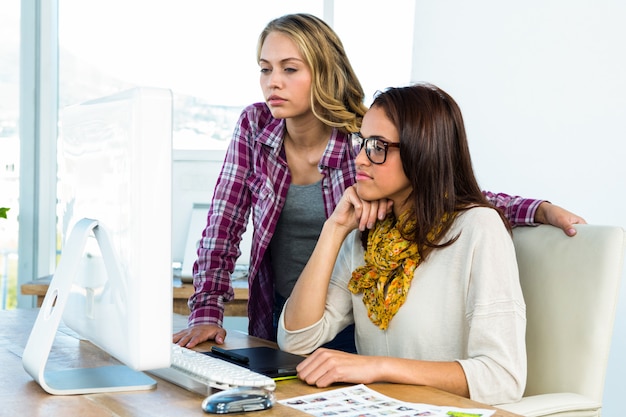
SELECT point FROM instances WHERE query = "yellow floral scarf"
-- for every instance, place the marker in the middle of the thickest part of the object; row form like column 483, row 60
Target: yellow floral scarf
column 385, row 279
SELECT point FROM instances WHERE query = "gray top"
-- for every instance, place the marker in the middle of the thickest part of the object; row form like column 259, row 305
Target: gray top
column 300, row 221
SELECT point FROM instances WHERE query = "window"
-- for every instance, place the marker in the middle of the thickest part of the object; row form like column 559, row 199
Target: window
column 204, row 51
column 9, row 147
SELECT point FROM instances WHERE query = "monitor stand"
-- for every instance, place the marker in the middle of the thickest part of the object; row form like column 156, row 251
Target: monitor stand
column 77, row 380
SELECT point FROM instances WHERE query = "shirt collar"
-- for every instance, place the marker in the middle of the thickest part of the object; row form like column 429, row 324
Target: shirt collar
column 338, row 144
column 335, row 153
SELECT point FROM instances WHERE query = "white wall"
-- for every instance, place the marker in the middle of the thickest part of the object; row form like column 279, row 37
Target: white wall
column 542, row 86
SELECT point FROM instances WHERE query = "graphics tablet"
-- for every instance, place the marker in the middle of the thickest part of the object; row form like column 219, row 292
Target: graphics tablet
column 268, row 361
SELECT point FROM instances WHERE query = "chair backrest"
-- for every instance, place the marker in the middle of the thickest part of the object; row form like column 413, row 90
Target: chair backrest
column 571, row 286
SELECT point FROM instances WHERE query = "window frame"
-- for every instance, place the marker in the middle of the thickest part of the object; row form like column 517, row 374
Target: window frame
column 38, row 137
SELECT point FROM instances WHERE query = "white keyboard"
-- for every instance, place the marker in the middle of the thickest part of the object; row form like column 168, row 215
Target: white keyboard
column 201, row 373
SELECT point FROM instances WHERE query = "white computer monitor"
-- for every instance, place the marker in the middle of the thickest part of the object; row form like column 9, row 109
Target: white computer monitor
column 113, row 284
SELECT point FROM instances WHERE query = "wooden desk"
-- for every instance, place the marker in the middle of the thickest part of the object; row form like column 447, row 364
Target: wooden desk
column 237, row 307
column 21, row 396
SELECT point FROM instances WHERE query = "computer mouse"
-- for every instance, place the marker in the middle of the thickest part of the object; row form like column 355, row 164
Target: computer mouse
column 237, row 400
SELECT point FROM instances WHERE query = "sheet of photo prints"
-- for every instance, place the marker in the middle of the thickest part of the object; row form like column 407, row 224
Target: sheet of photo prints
column 361, row 401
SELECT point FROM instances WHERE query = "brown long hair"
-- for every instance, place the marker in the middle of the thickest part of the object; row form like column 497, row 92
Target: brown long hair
column 336, row 93
column 436, row 159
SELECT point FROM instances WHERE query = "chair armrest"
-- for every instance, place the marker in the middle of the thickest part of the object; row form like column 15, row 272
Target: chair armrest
column 562, row 404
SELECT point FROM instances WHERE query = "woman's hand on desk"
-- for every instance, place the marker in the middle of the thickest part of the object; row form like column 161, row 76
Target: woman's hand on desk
column 191, row 336
column 327, row 366
column 324, row 367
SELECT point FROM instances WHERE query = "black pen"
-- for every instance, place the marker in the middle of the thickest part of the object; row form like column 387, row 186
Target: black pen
column 229, row 354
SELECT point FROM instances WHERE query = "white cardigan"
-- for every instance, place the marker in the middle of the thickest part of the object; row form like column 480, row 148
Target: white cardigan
column 465, row 304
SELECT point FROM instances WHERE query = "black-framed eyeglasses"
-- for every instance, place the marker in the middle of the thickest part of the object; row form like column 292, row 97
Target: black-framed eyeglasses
column 375, row 147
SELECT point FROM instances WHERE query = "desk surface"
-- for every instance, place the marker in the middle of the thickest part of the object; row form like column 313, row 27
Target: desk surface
column 21, row 396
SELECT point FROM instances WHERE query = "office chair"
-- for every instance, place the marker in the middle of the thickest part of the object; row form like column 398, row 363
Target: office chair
column 571, row 286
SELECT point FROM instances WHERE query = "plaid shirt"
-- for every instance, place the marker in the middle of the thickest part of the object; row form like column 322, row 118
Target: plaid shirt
column 254, row 180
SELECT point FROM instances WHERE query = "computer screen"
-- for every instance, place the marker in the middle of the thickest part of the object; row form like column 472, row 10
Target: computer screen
column 113, row 284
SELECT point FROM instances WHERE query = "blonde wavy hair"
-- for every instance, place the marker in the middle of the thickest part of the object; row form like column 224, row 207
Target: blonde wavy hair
column 336, row 93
